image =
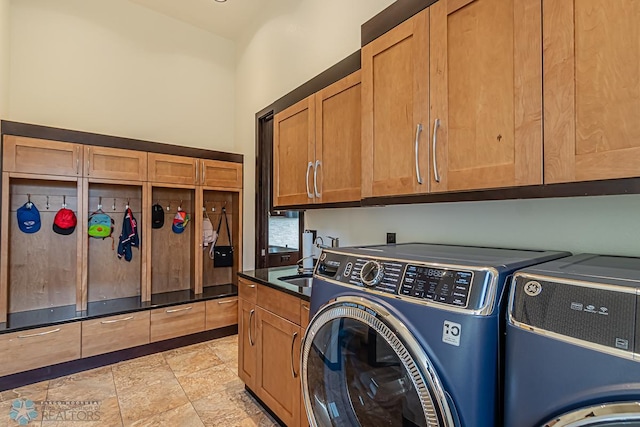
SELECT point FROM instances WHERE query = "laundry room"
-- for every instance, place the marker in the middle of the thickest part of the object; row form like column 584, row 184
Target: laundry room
column 255, row 161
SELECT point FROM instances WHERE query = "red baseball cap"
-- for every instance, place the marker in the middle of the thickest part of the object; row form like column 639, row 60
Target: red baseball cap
column 64, row 222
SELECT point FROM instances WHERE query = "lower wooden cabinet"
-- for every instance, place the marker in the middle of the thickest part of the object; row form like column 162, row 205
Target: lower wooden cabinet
column 35, row 348
column 176, row 321
column 304, row 322
column 221, row 312
column 115, row 333
column 247, row 345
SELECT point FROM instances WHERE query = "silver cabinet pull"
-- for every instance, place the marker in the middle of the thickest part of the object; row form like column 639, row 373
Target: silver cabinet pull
column 251, row 313
column 77, row 160
column 105, row 322
column 315, row 178
column 309, row 193
column 175, row 310
column 293, row 341
column 417, row 151
column 88, row 161
column 204, row 172
column 226, row 302
column 40, row 333
column 306, row 307
column 251, row 286
column 197, row 163
column 436, row 175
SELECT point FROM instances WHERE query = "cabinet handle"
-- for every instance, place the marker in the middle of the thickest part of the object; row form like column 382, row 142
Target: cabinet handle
column 251, row 286
column 251, row 313
column 436, row 175
column 315, row 178
column 226, row 302
column 77, row 160
column 105, row 322
column 88, row 161
column 197, row 175
column 40, row 333
column 204, row 172
column 417, row 150
column 309, row 193
column 306, row 307
column 293, row 341
column 175, row 310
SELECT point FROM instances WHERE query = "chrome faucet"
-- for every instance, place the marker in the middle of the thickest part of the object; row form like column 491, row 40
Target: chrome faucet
column 335, row 242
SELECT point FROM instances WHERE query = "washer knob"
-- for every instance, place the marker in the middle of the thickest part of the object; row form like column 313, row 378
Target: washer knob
column 371, row 273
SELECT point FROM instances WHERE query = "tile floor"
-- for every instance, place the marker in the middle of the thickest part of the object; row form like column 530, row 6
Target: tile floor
column 196, row 385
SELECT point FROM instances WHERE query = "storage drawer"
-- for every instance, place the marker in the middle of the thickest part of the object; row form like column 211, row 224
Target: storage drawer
column 40, row 156
column 35, row 348
column 222, row 312
column 172, row 322
column 114, row 333
column 279, row 303
column 247, row 290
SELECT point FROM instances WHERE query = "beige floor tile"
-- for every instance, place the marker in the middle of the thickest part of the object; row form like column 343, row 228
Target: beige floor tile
column 208, row 381
column 141, row 372
column 26, row 392
column 96, row 384
column 218, row 409
column 258, row 421
column 195, row 359
column 226, row 349
column 104, row 412
column 6, row 409
column 149, row 399
column 183, row 416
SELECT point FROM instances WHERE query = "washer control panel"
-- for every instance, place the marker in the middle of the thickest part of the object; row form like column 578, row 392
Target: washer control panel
column 420, row 281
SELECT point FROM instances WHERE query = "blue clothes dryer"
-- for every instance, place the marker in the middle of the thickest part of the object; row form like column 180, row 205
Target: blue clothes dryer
column 408, row 335
column 572, row 344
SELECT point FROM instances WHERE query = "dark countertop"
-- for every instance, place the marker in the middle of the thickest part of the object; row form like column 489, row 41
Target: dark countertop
column 66, row 314
column 269, row 277
column 281, row 250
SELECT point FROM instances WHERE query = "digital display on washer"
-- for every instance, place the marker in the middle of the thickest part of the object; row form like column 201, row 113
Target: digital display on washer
column 437, row 284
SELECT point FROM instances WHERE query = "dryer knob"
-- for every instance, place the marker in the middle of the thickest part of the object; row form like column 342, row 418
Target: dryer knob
column 371, row 273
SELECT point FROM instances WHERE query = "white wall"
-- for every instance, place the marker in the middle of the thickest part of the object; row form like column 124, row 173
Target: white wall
column 4, row 57
column 117, row 68
column 288, row 49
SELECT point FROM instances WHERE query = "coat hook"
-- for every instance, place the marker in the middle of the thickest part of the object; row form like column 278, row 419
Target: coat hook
column 64, row 201
column 180, row 206
column 114, row 205
column 100, row 203
column 127, row 206
column 47, row 206
column 169, row 206
column 29, row 204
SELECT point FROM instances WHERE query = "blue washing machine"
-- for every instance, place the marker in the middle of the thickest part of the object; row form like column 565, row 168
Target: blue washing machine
column 408, row 335
column 573, row 344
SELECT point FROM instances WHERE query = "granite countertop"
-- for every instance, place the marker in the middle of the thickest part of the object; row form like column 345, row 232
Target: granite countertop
column 269, row 277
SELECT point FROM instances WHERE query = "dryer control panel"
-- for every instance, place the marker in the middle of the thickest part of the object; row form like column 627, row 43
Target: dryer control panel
column 457, row 287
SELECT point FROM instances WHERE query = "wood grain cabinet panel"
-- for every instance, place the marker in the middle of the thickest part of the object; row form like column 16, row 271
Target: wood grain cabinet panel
column 591, row 90
column 115, row 163
column 279, row 366
column 395, row 110
column 279, row 303
column 219, row 174
column 293, row 154
column 172, row 169
column 172, row 322
column 115, row 333
column 247, row 290
column 304, row 323
column 486, row 94
column 35, row 348
column 39, row 156
column 247, row 343
column 221, row 312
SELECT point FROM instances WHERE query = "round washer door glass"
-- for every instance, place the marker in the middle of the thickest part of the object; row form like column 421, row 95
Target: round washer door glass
column 362, row 367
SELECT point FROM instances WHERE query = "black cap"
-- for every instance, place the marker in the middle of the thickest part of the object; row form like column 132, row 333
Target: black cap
column 157, row 216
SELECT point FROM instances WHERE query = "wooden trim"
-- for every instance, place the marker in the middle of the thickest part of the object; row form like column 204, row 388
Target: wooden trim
column 81, row 256
column 114, row 181
column 50, row 372
column 391, row 17
column 83, row 230
column 20, row 175
column 197, row 272
column 88, row 138
column 145, row 278
column 4, row 250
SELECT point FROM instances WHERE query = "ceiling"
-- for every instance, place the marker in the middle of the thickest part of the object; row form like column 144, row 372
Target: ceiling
column 228, row 20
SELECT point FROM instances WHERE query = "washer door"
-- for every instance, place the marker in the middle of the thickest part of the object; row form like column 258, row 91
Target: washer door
column 362, row 367
column 622, row 414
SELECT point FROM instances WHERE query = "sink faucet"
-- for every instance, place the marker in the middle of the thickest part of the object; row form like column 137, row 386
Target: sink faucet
column 335, row 242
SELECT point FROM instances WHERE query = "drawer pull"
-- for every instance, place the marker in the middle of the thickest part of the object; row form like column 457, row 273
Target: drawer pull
column 251, row 286
column 175, row 310
column 293, row 341
column 251, row 313
column 40, row 333
column 306, row 307
column 226, row 302
column 106, row 322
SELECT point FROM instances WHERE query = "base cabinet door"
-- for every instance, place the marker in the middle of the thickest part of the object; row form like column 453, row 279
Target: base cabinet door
column 115, row 333
column 279, row 366
column 177, row 321
column 221, row 312
column 35, row 348
column 247, row 344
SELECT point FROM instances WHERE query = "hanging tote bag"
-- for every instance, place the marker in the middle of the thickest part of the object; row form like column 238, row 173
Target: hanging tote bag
column 223, row 255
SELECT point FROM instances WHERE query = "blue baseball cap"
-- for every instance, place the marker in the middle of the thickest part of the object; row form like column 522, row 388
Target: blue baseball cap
column 28, row 218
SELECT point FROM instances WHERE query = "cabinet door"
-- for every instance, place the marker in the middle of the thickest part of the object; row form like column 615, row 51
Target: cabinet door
column 293, row 154
column 247, row 343
column 279, row 366
column 304, row 322
column 395, row 116
column 591, row 90
column 172, row 169
column 114, row 163
column 337, row 171
column 39, row 156
column 486, row 94
column 216, row 173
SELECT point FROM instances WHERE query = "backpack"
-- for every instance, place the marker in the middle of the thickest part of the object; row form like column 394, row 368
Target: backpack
column 208, row 235
column 101, row 225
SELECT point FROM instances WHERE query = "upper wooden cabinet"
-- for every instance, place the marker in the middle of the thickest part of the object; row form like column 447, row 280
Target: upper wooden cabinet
column 337, row 166
column 486, row 94
column 215, row 173
column 39, row 156
column 172, row 169
column 115, row 163
column 395, row 116
column 591, row 90
column 293, row 154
